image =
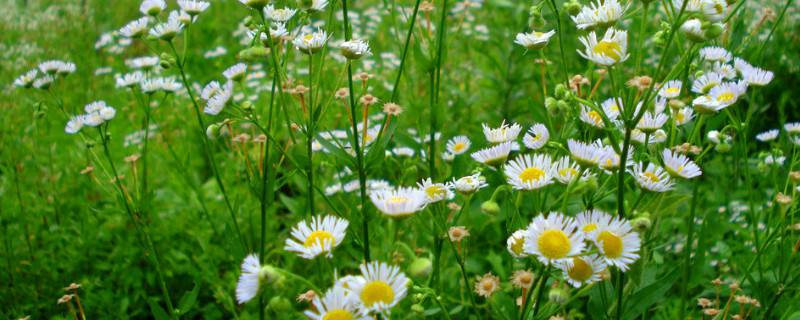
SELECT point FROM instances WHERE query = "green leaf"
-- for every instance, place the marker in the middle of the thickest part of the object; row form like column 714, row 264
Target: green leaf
column 645, row 297
column 157, row 312
column 189, row 299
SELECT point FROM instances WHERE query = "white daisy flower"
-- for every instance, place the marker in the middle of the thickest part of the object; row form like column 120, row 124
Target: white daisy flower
column 715, row 54
column 399, row 202
column 136, row 28
column 216, row 96
column 355, row 49
column 249, row 281
column 458, row 145
column 494, row 155
column 588, row 221
column 74, row 125
column 566, row 171
column 610, row 50
column 693, row 29
column 704, row 83
column 502, row 134
column 612, row 107
column 338, row 303
column 380, row 287
column 168, row 30
column 152, row 7
column 707, row 105
column 618, row 243
column 757, row 76
column 57, row 67
column 129, row 80
column 142, row 62
column 683, row 116
column 671, row 89
column 792, row 127
column 516, row 244
column 235, row 72
column 318, row 5
column 583, row 270
column 650, row 122
column 435, row 192
column 728, row 93
column 26, row 79
column 741, row 65
column 652, row 178
column 534, row 40
column 528, row 172
column 320, row 236
column 193, row 7
column 599, row 14
column 591, row 117
column 469, row 184
column 282, row 15
column 725, row 70
column 714, row 10
column 311, row 42
column 654, row 137
column 553, row 239
column 536, row 137
column 609, row 160
column 587, row 155
column 768, row 135
column 680, row 166
column 43, row 82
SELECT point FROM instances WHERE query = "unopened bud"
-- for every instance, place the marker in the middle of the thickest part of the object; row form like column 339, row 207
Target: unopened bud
column 490, row 207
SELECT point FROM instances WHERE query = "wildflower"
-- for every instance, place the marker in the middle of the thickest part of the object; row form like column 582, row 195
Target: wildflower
column 143, row 62
column 193, row 7
column 522, row 279
column 640, row 82
column 680, row 166
column 588, row 221
column 534, row 40
column 469, row 184
column 618, row 243
column 250, row 280
column 168, row 30
column 652, row 178
column 355, row 49
column 706, row 82
column 650, row 122
column 74, row 124
column 380, row 287
column 583, row 270
column 693, row 29
column 399, row 202
column 336, row 303
column 715, row 54
column 670, row 90
column 311, row 42
column 235, row 72
column 502, row 134
column 566, row 171
column 136, row 28
column 435, row 192
column 516, row 244
column 216, row 96
column 282, row 15
column 129, row 80
column 599, row 14
column 768, row 135
column 487, row 285
column 319, row 236
column 536, row 137
column 683, row 116
column 56, row 67
column 458, row 145
column 553, row 238
column 529, row 172
column 152, row 7
column 704, row 303
column 458, row 233
column 495, row 155
column 757, row 76
column 585, row 154
column 26, row 79
column 714, row 10
column 591, row 117
column 610, row 50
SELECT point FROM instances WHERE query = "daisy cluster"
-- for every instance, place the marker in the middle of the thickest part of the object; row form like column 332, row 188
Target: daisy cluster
column 43, row 76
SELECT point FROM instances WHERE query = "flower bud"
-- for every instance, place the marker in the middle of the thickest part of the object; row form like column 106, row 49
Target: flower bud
column 558, row 295
column 417, row 308
column 713, row 31
column 420, row 267
column 247, row 106
column 641, row 224
column 723, row 148
column 573, row 7
column 212, row 131
column 490, row 207
column 280, row 305
column 254, row 54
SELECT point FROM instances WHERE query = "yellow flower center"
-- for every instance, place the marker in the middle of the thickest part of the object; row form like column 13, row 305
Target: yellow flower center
column 672, row 90
column 679, row 116
column 610, row 49
column 580, row 271
column 398, row 200
column 307, row 38
column 612, row 244
column 726, row 97
column 531, row 174
column 377, row 291
column 719, row 8
column 517, row 246
column 710, row 85
column 653, row 178
column 568, row 172
column 596, row 118
column 319, row 236
column 589, row 227
column 554, row 244
column 338, row 314
column 458, row 147
column 435, row 191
